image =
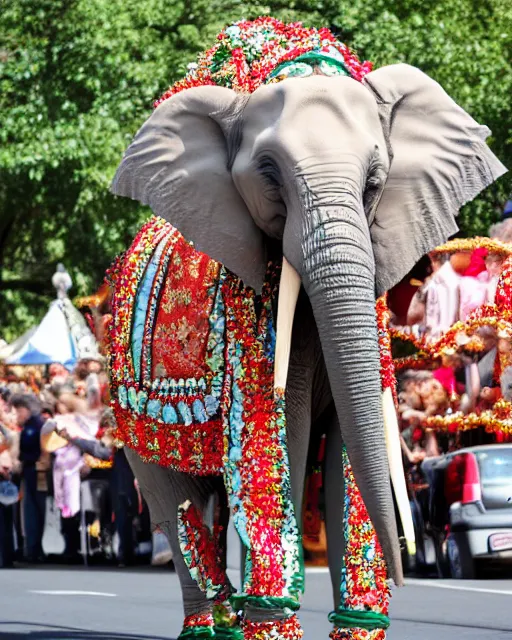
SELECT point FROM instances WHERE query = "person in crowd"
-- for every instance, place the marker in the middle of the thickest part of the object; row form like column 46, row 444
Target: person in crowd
column 9, row 426
column 473, row 287
column 123, row 491
column 435, row 305
column 33, row 473
column 9, row 494
column 67, row 464
column 57, row 374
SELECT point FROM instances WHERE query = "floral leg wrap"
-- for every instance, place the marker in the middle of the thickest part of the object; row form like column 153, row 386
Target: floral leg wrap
column 197, row 627
column 201, row 554
column 362, row 614
column 257, row 475
column 203, row 559
column 287, row 629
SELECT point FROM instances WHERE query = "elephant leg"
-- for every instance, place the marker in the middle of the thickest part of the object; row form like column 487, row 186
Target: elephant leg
column 356, row 563
column 165, row 491
column 298, row 431
column 275, row 621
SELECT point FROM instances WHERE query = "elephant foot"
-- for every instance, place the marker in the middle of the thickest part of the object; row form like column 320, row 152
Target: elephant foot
column 285, row 629
column 357, row 634
column 199, row 626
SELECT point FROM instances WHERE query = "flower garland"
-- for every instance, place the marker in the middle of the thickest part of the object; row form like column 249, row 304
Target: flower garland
column 470, row 244
column 364, row 604
column 247, row 52
column 495, row 420
column 452, row 341
column 387, row 366
column 96, row 463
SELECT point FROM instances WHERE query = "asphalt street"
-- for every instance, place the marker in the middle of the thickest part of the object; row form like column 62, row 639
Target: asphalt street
column 51, row 603
column 74, row 603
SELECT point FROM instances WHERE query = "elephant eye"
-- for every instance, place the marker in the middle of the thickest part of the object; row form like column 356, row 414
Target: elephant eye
column 374, row 182
column 270, row 172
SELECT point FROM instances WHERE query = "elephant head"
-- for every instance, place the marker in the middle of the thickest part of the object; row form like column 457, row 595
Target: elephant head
column 357, row 180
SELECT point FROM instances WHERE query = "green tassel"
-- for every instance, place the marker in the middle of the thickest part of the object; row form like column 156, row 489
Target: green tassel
column 228, row 633
column 352, row 619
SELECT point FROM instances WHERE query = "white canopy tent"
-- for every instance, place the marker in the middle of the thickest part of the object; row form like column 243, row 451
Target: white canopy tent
column 7, row 350
column 62, row 336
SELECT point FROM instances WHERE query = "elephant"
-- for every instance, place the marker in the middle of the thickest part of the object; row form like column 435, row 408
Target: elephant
column 350, row 177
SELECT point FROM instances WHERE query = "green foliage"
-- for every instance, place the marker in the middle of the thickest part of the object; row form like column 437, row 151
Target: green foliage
column 78, row 77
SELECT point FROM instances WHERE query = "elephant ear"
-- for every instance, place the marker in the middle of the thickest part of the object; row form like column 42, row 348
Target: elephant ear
column 439, row 161
column 178, row 165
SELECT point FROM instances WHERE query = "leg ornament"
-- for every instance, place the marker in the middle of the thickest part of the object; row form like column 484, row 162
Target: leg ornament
column 286, row 629
column 362, row 614
column 257, row 475
column 201, row 554
column 198, row 626
column 203, row 558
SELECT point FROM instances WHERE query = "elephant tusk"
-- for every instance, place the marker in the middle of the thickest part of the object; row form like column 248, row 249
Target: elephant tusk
column 396, row 468
column 289, row 288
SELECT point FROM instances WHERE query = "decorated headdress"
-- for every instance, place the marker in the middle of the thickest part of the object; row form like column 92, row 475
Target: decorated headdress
column 250, row 53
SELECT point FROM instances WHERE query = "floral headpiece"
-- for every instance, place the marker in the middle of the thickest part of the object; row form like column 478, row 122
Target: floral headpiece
column 248, row 53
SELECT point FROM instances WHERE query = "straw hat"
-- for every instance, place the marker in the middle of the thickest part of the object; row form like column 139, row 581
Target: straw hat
column 50, row 439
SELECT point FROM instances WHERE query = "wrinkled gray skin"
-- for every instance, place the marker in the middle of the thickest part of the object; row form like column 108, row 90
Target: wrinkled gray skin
column 358, row 181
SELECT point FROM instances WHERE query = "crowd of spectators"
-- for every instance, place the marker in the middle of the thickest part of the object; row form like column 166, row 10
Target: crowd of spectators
column 56, row 442
column 462, row 380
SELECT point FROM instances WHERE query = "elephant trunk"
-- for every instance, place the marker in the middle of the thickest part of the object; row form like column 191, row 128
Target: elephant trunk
column 338, row 274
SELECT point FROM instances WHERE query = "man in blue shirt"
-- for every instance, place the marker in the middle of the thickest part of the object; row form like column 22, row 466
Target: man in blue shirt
column 34, row 495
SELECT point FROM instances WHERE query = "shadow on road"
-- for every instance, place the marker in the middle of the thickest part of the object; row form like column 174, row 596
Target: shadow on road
column 53, row 632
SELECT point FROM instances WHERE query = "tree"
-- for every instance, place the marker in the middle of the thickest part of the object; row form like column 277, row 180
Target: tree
column 78, row 77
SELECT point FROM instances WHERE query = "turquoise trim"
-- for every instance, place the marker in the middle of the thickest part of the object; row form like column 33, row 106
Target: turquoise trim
column 141, row 307
column 316, row 57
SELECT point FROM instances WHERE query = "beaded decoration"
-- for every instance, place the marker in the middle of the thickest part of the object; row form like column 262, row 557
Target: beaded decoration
column 363, row 610
column 167, row 352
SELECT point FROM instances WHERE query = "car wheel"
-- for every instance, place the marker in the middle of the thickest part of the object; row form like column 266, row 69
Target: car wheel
column 462, row 565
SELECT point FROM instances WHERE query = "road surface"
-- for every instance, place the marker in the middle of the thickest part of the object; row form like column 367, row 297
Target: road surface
column 73, row 603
